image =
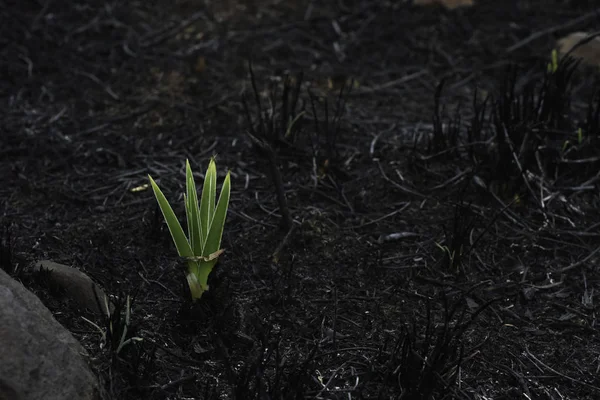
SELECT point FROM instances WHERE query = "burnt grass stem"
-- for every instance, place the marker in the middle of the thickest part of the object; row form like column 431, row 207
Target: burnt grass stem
column 526, row 116
column 120, row 332
column 428, row 368
column 260, row 139
column 327, row 130
column 263, row 373
column 265, row 150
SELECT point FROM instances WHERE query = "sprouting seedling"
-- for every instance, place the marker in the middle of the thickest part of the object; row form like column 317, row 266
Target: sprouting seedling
column 205, row 222
column 116, row 333
column 453, row 257
column 291, row 124
column 567, row 142
column 553, row 64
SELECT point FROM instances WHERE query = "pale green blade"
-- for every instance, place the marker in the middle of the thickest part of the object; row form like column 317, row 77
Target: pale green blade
column 181, row 242
column 193, row 213
column 207, row 201
column 188, row 212
column 188, row 216
column 196, row 289
column 204, row 270
column 213, row 241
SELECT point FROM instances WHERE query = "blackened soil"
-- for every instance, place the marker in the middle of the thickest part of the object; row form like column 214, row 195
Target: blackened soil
column 443, row 245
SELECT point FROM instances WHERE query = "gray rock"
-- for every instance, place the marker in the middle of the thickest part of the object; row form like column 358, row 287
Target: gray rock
column 39, row 359
column 77, row 285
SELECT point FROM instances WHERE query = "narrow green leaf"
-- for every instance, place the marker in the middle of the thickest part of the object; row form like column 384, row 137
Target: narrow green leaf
column 213, row 241
column 188, row 217
column 207, row 201
column 179, row 238
column 204, row 270
column 188, row 211
column 193, row 213
column 196, row 288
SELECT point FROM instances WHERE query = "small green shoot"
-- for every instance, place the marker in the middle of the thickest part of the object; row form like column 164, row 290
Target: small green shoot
column 205, row 222
column 579, row 140
column 452, row 257
column 553, row 64
column 291, row 124
column 116, row 334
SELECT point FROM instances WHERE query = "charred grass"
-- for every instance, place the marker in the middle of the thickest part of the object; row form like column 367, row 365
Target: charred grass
column 409, row 219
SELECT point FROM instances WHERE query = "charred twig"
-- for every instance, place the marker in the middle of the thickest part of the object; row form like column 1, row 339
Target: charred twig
column 156, row 38
column 536, row 35
column 539, row 363
column 277, row 253
column 580, row 262
column 397, row 185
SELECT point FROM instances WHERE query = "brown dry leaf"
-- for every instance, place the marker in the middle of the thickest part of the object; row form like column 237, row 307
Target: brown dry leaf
column 339, row 81
column 589, row 52
column 449, row 4
column 175, row 80
column 172, row 83
column 200, row 65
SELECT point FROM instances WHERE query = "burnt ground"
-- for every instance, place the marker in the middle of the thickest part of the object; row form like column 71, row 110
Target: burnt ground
column 442, row 184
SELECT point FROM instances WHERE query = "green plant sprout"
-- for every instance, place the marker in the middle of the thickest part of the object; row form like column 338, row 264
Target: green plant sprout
column 291, row 124
column 205, row 222
column 553, row 64
column 116, row 333
column 579, row 140
column 453, row 257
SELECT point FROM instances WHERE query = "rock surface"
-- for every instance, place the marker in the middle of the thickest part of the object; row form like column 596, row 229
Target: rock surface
column 77, row 285
column 40, row 360
column 589, row 52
